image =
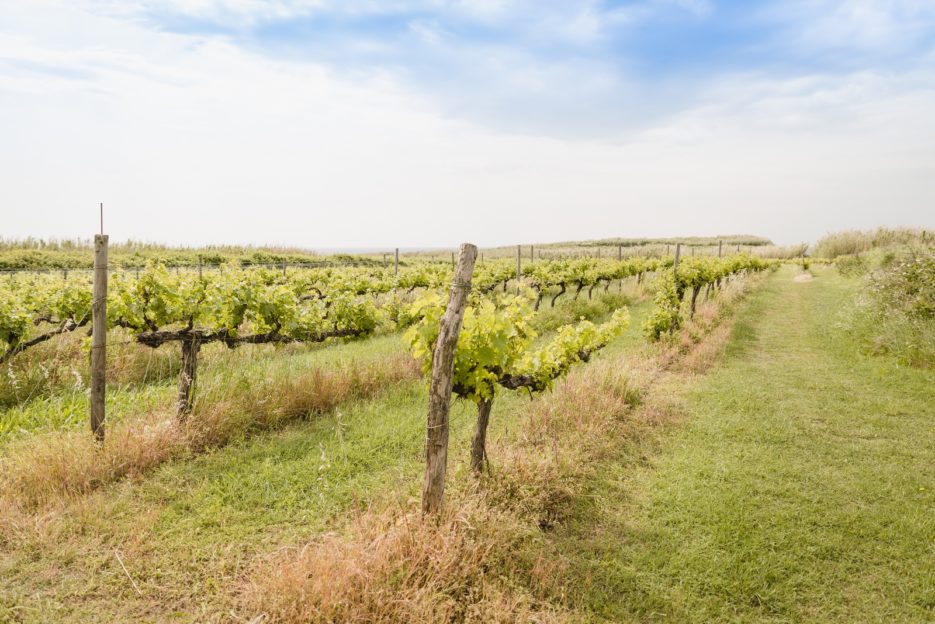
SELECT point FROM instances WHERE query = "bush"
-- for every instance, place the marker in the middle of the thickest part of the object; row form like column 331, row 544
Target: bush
column 851, row 266
column 898, row 307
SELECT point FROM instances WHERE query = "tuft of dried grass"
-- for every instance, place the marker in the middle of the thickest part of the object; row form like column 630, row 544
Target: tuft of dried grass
column 399, row 566
column 57, row 466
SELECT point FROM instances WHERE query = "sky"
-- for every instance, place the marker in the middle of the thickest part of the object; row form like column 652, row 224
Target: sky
column 426, row 123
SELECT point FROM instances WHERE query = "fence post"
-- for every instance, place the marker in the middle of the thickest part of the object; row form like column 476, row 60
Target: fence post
column 532, row 253
column 443, row 358
column 719, row 244
column 199, row 266
column 452, row 259
column 519, row 272
column 678, row 252
column 396, row 263
column 99, row 336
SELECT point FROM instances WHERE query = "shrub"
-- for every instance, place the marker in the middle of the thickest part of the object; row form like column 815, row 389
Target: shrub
column 898, row 307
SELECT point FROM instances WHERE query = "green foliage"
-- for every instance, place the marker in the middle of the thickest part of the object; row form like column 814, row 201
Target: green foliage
column 494, row 337
column 897, row 310
column 851, row 266
column 665, row 317
column 494, row 344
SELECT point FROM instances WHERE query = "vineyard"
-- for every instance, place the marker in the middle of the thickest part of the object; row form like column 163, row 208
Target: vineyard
column 277, row 399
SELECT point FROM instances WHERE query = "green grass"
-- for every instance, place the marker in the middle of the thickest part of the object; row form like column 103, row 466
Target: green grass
column 799, row 485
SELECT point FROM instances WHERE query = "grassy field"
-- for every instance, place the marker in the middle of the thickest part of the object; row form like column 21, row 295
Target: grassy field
column 798, row 486
column 769, row 473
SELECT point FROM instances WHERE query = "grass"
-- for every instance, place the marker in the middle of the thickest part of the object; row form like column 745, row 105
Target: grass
column 799, row 487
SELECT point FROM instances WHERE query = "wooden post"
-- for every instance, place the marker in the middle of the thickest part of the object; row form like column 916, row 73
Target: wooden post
column 99, row 336
column 396, row 263
column 384, row 261
column 532, row 254
column 452, row 259
column 199, row 266
column 519, row 271
column 719, row 244
column 619, row 252
column 443, row 358
column 678, row 252
column 693, row 250
column 283, row 267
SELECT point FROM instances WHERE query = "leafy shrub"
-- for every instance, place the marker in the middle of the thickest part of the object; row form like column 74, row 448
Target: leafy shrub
column 851, row 266
column 898, row 307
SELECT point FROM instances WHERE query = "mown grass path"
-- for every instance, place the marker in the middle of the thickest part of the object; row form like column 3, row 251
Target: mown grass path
column 797, row 486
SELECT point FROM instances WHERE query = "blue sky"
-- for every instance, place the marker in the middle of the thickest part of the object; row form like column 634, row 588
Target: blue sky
column 362, row 120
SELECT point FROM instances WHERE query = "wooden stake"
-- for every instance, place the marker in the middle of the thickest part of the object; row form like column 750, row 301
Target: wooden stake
column 436, row 434
column 719, row 244
column 396, row 263
column 519, row 271
column 99, row 336
column 678, row 252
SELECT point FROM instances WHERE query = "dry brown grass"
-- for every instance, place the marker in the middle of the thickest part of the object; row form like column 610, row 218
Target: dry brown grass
column 57, row 466
column 401, row 567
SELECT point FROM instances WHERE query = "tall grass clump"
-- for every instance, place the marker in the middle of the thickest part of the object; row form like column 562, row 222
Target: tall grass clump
column 859, row 241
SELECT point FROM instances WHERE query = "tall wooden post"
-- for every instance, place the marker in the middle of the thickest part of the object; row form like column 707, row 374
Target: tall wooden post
column 443, row 359
column 396, row 263
column 199, row 267
column 99, row 336
column 519, row 270
column 452, row 259
column 719, row 245
column 384, row 261
column 678, row 252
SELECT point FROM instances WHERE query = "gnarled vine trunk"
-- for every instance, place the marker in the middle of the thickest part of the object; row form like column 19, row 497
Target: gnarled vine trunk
column 695, row 291
column 190, row 349
column 479, row 440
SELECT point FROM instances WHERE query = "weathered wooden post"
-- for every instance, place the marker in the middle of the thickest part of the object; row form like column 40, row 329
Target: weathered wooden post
column 452, row 259
column 719, row 244
column 199, row 266
column 678, row 252
column 519, row 270
column 99, row 336
column 443, row 357
column 396, row 263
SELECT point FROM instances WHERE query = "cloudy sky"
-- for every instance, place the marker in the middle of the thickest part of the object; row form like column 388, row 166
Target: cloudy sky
column 359, row 123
